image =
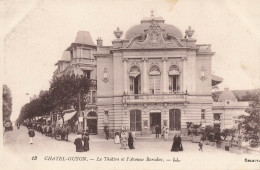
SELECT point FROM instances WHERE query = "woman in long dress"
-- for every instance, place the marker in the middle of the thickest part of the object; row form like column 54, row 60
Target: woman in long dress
column 124, row 137
column 131, row 141
column 179, row 141
column 78, row 143
column 85, row 139
column 117, row 139
column 175, row 144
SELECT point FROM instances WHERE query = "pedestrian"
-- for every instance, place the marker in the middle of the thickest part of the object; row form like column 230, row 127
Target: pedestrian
column 106, row 130
column 124, row 139
column 163, row 132
column 49, row 131
column 174, row 144
column 200, row 145
column 87, row 130
column 78, row 143
column 85, row 140
column 157, row 131
column 166, row 134
column 68, row 129
column 31, row 134
column 179, row 142
column 18, row 126
column 63, row 133
column 117, row 139
column 131, row 141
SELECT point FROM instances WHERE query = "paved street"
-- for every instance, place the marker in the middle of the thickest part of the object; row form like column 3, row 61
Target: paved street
column 18, row 149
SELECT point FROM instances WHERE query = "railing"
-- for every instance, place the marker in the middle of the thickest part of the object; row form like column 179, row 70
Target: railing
column 155, row 98
column 204, row 47
column 82, row 60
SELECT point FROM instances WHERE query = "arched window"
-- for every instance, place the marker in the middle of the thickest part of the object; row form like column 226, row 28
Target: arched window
column 91, row 122
column 135, row 120
column 154, row 80
column 174, row 79
column 135, row 80
column 92, row 114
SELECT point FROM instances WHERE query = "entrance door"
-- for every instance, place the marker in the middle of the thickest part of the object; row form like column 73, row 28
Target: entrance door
column 175, row 119
column 92, row 126
column 92, row 122
column 155, row 119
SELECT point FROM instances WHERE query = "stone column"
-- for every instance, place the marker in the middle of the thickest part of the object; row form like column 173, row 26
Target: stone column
column 184, row 74
column 125, row 75
column 165, row 76
column 145, row 88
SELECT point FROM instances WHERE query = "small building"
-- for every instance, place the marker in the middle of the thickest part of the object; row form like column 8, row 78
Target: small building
column 227, row 110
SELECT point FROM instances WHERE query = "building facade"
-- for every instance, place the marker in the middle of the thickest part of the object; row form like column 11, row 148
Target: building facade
column 152, row 76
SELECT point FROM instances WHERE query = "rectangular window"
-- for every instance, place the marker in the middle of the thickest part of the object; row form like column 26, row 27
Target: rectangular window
column 131, row 85
column 174, row 83
column 135, row 120
column 203, row 113
column 135, row 85
column 87, row 73
column 175, row 119
column 155, row 84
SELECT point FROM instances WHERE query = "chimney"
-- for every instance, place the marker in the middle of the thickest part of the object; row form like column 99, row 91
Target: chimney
column 99, row 42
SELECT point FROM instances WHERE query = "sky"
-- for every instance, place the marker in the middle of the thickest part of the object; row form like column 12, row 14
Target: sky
column 36, row 32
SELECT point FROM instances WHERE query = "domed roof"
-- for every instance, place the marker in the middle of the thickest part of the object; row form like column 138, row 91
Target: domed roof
column 139, row 29
column 227, row 95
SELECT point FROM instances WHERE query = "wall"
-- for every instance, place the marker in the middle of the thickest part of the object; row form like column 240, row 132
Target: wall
column 203, row 86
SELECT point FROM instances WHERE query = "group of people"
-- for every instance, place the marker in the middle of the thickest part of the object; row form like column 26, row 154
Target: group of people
column 82, row 142
column 164, row 132
column 125, row 138
column 177, row 143
column 51, row 130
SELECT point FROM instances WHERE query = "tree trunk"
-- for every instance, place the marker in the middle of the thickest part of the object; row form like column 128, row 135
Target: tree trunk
column 62, row 119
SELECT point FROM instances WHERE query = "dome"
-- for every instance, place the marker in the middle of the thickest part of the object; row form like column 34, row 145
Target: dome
column 227, row 95
column 139, row 29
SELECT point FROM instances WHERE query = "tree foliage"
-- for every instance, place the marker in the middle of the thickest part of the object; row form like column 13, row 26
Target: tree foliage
column 68, row 91
column 250, row 125
column 7, row 103
column 64, row 92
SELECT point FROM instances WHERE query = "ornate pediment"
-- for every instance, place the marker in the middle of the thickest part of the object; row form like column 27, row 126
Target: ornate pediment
column 153, row 38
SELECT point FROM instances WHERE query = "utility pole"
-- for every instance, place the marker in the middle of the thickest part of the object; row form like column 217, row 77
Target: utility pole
column 80, row 115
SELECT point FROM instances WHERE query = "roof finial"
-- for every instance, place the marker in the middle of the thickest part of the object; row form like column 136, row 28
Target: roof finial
column 152, row 13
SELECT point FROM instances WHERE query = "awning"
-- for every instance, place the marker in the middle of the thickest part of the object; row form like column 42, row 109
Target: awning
column 216, row 80
column 67, row 116
column 244, row 113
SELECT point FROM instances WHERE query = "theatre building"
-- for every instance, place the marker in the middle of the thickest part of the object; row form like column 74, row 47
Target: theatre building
column 153, row 74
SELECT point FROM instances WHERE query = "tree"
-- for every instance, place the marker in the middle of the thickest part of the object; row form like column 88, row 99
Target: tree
column 250, row 125
column 68, row 91
column 7, row 103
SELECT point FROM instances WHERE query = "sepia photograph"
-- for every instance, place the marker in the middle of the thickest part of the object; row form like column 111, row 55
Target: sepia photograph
column 128, row 84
